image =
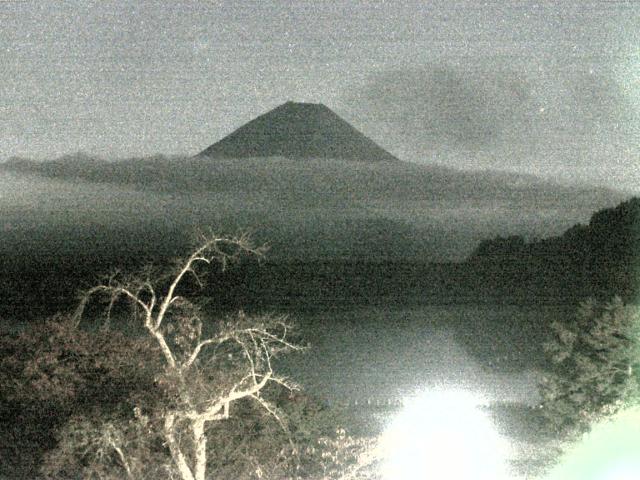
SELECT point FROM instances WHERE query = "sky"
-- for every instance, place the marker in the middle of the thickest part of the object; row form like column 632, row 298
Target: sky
column 549, row 88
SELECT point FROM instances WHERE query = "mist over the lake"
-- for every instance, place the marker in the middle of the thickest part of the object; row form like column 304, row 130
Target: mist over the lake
column 303, row 209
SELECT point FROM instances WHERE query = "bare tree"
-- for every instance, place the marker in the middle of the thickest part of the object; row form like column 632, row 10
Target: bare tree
column 205, row 373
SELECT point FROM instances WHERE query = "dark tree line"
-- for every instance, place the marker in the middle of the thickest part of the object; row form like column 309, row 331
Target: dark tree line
column 599, row 259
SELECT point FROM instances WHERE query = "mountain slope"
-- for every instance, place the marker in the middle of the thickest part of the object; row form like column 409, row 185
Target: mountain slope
column 301, row 131
column 338, row 227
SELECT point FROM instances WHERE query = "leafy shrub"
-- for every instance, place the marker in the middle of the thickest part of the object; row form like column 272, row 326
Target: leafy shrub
column 595, row 365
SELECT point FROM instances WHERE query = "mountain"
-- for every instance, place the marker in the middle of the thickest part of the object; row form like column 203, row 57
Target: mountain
column 315, row 208
column 307, row 183
column 342, row 227
column 300, row 131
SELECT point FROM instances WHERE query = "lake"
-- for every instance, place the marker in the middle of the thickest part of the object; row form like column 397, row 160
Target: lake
column 388, row 353
column 415, row 354
column 396, row 352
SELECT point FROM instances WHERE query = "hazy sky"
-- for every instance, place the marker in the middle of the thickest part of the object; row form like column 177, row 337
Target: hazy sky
column 551, row 88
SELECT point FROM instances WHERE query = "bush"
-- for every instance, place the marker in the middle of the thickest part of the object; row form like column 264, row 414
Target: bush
column 53, row 370
column 173, row 401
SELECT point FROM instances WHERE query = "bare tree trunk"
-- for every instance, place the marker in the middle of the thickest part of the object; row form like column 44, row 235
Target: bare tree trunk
column 200, row 445
column 174, row 448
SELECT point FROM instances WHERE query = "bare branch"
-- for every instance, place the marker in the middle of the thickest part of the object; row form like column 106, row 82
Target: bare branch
column 196, row 351
column 258, row 339
column 206, row 253
column 271, row 409
column 212, row 412
column 262, row 334
column 122, row 458
column 114, row 292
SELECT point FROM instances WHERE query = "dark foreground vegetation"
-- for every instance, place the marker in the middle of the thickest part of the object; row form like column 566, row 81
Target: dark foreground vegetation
column 88, row 397
column 592, row 374
column 71, row 398
column 169, row 393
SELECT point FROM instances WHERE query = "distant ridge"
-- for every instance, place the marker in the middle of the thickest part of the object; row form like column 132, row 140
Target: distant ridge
column 300, row 131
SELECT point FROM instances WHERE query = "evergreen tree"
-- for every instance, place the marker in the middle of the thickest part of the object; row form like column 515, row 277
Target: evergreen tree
column 594, row 366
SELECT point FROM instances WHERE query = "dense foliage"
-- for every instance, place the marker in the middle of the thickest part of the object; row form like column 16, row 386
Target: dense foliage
column 52, row 371
column 599, row 259
column 595, row 365
column 177, row 395
column 68, row 395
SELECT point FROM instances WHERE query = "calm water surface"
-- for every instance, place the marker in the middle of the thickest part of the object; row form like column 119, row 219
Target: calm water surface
column 379, row 353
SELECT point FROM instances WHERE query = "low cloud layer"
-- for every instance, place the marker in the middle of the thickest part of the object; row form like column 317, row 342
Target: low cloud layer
column 303, row 209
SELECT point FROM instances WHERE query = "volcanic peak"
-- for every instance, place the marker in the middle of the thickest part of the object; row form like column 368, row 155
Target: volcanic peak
column 300, row 131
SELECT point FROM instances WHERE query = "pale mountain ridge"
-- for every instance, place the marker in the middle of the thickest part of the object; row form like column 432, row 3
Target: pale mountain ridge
column 329, row 176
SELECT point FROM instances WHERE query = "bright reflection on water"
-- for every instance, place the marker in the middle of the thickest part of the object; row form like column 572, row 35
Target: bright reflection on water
column 443, row 435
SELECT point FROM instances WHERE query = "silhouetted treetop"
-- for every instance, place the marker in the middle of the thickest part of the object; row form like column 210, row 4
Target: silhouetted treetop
column 600, row 258
column 613, row 233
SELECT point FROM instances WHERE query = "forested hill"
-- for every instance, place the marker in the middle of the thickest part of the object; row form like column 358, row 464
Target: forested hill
column 601, row 258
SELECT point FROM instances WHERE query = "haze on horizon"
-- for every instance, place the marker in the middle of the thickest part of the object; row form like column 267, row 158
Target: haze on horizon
column 547, row 88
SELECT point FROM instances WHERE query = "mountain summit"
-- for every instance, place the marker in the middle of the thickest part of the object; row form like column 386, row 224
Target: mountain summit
column 301, row 131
